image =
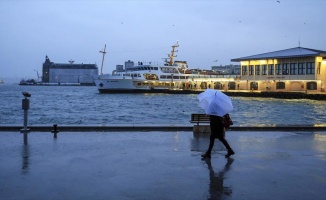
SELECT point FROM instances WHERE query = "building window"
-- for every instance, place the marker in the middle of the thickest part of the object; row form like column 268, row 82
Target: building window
column 257, row 69
column 271, row 69
column 293, row 68
column 311, row 86
column 278, row 69
column 310, row 68
column 301, row 68
column 285, row 68
column 253, row 86
column 264, row 70
column 231, row 85
column 218, row 85
column 280, row 85
column 244, row 70
column 251, row 70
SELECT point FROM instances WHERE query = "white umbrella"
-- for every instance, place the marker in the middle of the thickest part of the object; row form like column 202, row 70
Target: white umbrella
column 215, row 102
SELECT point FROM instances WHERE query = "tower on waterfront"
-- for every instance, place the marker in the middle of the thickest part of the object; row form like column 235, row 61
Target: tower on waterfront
column 68, row 73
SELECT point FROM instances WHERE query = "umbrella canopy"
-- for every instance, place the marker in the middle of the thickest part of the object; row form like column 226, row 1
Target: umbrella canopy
column 215, row 102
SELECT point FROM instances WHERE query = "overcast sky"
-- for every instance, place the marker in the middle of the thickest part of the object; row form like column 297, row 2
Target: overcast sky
column 144, row 30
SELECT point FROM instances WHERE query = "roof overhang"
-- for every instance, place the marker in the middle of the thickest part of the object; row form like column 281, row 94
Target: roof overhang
column 297, row 52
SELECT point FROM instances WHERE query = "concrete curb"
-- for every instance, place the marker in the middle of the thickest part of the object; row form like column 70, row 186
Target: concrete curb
column 133, row 128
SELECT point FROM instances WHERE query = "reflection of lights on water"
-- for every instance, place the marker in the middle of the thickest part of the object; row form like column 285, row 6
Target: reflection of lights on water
column 319, row 143
column 320, row 137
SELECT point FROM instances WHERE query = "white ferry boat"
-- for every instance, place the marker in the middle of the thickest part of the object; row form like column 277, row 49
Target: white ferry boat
column 173, row 75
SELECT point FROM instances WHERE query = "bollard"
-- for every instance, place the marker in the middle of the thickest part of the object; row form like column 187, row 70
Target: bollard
column 55, row 130
column 25, row 107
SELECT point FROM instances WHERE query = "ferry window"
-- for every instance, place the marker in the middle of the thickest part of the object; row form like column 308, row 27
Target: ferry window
column 310, row 68
column 151, row 76
column 251, row 70
column 301, row 68
column 155, row 68
column 293, row 68
column 169, row 77
column 264, row 69
column 253, row 86
column 163, row 77
column 280, row 85
column 244, row 70
column 257, row 69
column 311, row 86
column 285, row 68
column 271, row 69
column 278, row 69
column 176, row 77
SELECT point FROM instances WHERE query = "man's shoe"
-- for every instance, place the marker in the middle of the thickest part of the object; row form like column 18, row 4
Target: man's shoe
column 230, row 153
column 206, row 155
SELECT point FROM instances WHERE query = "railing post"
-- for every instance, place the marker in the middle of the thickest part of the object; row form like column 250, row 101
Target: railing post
column 25, row 107
column 55, row 130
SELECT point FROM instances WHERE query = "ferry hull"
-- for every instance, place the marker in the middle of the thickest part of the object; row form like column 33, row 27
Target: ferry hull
column 120, row 86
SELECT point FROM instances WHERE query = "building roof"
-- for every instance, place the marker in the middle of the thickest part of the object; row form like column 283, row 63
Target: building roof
column 52, row 65
column 287, row 53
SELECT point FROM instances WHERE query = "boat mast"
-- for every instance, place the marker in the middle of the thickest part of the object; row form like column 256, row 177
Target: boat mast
column 172, row 53
column 103, row 52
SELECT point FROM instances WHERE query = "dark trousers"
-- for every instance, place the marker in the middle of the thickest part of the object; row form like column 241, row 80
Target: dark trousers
column 212, row 141
column 217, row 131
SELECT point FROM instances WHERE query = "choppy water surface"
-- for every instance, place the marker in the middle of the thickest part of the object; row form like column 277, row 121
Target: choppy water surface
column 70, row 105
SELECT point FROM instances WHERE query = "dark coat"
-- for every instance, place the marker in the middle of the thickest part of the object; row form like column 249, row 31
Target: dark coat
column 217, row 127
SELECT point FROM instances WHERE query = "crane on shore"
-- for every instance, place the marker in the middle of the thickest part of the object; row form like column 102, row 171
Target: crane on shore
column 39, row 78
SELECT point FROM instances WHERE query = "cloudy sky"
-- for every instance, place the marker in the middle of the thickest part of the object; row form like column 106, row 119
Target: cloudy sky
column 144, row 30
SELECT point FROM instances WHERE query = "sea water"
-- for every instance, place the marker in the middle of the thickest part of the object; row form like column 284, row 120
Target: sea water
column 84, row 105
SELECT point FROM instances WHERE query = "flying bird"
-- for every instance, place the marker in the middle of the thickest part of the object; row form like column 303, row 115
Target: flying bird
column 278, row 2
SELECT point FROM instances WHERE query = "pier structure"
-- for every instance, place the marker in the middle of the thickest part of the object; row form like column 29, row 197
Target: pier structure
column 299, row 69
column 291, row 70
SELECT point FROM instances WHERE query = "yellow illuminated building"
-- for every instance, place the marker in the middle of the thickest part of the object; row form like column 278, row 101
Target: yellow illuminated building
column 297, row 69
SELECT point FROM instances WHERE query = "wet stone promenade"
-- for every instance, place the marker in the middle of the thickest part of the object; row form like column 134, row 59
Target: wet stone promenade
column 162, row 165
